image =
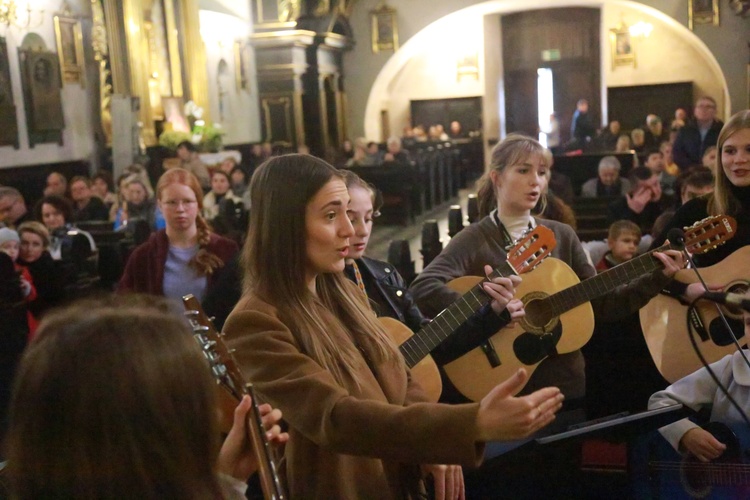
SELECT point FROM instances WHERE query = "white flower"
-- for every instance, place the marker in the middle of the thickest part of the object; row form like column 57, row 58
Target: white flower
column 192, row 109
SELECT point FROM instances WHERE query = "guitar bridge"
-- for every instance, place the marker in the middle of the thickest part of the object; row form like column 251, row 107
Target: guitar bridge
column 489, row 350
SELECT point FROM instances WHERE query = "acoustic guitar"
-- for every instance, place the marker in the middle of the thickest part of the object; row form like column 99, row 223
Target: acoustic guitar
column 559, row 318
column 727, row 477
column 525, row 254
column 228, row 375
column 664, row 320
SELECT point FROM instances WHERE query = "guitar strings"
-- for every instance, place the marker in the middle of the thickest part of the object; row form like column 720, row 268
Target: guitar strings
column 691, row 335
column 721, row 313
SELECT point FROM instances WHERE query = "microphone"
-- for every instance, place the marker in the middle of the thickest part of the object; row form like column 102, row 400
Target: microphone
column 730, row 299
column 676, row 237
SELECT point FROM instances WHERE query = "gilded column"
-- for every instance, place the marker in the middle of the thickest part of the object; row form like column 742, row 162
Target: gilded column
column 138, row 58
column 116, row 45
column 195, row 56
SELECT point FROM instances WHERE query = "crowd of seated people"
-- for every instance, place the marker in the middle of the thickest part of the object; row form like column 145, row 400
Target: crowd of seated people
column 57, row 239
column 187, row 254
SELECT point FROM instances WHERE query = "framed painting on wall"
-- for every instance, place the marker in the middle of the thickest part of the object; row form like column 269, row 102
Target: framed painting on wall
column 703, row 12
column 8, row 123
column 242, row 61
column 69, row 48
column 621, row 45
column 384, row 29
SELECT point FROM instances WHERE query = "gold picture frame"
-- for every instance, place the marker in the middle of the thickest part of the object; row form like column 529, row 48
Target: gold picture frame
column 703, row 12
column 621, row 45
column 242, row 64
column 69, row 39
column 384, row 29
column 467, row 65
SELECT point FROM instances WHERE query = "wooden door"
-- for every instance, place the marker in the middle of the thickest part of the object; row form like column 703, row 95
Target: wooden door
column 573, row 33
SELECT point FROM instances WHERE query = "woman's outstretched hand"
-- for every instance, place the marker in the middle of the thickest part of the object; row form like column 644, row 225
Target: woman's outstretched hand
column 504, row 417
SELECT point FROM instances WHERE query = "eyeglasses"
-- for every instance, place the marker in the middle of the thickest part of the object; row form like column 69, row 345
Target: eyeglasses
column 173, row 204
column 706, row 106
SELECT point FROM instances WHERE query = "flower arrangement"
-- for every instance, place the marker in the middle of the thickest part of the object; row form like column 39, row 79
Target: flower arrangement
column 207, row 137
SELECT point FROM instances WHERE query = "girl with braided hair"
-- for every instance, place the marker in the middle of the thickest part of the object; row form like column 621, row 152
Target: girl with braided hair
column 186, row 257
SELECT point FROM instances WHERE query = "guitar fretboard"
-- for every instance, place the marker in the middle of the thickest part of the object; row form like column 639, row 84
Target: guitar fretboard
column 602, row 283
column 713, row 474
column 444, row 324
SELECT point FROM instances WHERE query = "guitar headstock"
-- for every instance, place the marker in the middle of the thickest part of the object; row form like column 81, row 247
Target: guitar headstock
column 531, row 249
column 709, row 233
column 212, row 345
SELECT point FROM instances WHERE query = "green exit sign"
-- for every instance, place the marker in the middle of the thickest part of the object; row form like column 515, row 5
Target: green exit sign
column 551, row 55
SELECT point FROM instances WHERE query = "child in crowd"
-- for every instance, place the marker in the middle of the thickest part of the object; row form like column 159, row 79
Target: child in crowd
column 699, row 390
column 623, row 240
column 10, row 244
column 620, row 373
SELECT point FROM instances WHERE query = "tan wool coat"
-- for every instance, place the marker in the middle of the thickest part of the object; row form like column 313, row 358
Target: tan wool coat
column 346, row 441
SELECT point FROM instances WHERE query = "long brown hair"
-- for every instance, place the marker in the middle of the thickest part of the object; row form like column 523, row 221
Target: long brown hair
column 204, row 262
column 113, row 400
column 512, row 150
column 331, row 325
column 353, row 180
column 722, row 200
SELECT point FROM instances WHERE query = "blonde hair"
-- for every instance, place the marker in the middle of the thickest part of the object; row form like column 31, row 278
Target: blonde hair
column 332, row 325
column 204, row 262
column 722, row 200
column 36, row 228
column 514, row 149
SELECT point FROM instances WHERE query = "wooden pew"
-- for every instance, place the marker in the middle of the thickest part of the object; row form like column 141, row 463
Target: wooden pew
column 583, row 167
column 397, row 183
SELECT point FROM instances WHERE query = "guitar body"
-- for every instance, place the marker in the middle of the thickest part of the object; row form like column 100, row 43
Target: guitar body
column 531, row 341
column 664, row 322
column 425, row 372
column 727, row 477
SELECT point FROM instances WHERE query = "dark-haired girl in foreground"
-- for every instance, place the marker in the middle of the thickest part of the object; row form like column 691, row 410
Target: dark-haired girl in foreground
column 115, row 400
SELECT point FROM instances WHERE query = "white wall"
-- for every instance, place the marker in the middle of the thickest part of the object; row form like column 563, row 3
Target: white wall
column 432, row 74
column 78, row 137
column 407, row 74
column 241, row 120
column 666, row 56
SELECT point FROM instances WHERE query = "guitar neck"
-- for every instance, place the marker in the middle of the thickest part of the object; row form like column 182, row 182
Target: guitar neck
column 603, row 283
column 228, row 374
column 444, row 324
column 267, row 473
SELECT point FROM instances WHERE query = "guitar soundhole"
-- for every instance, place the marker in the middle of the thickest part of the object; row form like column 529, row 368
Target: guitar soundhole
column 719, row 334
column 537, row 319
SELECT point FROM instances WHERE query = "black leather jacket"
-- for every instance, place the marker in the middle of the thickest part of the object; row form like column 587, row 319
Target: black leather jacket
column 389, row 293
column 390, row 297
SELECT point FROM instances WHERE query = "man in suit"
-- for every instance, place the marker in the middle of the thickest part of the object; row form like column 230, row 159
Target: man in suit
column 698, row 134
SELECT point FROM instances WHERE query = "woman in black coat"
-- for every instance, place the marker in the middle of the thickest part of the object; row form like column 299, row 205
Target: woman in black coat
column 48, row 276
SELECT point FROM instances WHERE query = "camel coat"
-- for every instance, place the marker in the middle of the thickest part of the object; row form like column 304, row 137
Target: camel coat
column 348, row 442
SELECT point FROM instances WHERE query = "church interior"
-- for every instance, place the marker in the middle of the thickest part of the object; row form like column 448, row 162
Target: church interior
column 411, row 95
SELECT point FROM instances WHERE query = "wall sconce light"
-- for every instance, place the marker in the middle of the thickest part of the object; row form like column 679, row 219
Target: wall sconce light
column 10, row 15
column 641, row 29
column 467, row 65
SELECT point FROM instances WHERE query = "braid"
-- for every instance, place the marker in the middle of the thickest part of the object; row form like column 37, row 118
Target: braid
column 204, row 261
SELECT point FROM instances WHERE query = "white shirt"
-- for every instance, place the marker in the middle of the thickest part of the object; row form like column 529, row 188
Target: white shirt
column 699, row 389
